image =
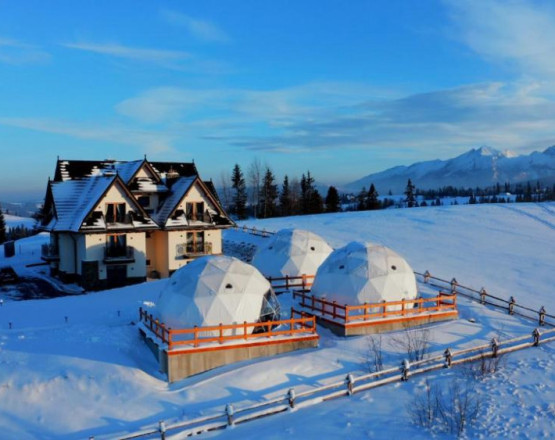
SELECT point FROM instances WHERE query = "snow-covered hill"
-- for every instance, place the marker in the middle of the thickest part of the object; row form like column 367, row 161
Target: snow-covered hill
column 13, row 221
column 91, row 375
column 481, row 167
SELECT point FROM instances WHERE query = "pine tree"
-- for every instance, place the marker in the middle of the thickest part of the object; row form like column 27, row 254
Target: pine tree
column 3, row 233
column 285, row 201
column 315, row 202
column 409, row 192
column 372, row 201
column 307, row 189
column 240, row 196
column 361, row 199
column 332, row 200
column 268, row 196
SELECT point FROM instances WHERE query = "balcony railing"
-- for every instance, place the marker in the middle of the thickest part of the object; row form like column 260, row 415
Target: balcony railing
column 193, row 249
column 49, row 252
column 119, row 254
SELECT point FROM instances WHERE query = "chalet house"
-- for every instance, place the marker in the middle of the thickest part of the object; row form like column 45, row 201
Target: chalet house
column 113, row 223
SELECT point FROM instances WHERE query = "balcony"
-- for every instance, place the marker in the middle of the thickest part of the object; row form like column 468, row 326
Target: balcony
column 119, row 254
column 193, row 250
column 49, row 252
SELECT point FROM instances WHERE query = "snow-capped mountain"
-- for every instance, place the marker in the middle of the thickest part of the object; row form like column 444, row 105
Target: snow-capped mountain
column 481, row 167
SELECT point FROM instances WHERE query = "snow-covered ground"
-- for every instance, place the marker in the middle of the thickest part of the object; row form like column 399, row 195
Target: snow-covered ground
column 90, row 374
column 13, row 221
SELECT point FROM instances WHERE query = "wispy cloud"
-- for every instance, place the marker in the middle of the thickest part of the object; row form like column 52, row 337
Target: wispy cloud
column 319, row 117
column 16, row 52
column 149, row 141
column 203, row 30
column 160, row 56
column 520, row 33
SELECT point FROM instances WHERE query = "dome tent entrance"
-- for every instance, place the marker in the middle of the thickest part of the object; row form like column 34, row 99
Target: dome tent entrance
column 291, row 252
column 361, row 273
column 217, row 290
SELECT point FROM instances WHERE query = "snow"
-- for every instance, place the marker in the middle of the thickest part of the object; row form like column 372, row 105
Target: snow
column 13, row 221
column 92, row 374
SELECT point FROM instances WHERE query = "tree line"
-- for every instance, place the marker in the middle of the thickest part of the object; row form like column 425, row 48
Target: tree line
column 257, row 194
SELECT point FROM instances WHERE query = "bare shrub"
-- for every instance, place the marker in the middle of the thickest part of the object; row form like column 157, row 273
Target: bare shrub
column 374, row 353
column 450, row 412
column 485, row 366
column 414, row 342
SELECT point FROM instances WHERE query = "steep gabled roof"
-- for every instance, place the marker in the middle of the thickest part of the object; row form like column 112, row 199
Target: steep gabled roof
column 178, row 190
column 74, row 200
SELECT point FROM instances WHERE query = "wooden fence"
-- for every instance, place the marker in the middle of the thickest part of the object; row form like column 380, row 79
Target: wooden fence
column 406, row 307
column 285, row 283
column 484, row 297
column 351, row 384
column 196, row 336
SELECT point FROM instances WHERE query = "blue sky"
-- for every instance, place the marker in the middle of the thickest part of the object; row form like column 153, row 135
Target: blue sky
column 340, row 88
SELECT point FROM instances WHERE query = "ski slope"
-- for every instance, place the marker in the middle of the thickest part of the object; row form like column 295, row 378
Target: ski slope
column 75, row 367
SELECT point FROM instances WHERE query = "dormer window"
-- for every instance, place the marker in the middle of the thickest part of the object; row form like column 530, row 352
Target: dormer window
column 115, row 212
column 195, row 211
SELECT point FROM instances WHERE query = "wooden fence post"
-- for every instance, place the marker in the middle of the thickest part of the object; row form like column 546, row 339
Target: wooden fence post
column 405, row 367
column 221, row 337
column 229, row 413
column 512, row 303
column 195, row 334
column 483, row 294
column 427, row 276
column 542, row 316
column 454, row 285
column 536, row 335
column 291, row 397
column 245, row 330
column 162, row 430
column 448, row 357
column 350, row 380
column 494, row 347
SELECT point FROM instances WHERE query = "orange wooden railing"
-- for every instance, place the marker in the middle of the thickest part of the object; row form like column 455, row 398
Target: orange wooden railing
column 196, row 336
column 406, row 307
column 287, row 282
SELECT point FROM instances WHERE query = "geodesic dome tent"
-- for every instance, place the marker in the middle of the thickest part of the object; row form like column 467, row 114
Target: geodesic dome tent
column 217, row 289
column 292, row 252
column 361, row 273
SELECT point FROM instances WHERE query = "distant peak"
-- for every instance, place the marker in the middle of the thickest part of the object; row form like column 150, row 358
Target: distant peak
column 550, row 151
column 484, row 150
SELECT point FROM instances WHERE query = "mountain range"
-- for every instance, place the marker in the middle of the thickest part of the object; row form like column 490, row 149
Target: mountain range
column 481, row 167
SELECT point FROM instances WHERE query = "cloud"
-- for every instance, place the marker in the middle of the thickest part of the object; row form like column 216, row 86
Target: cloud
column 200, row 29
column 150, row 141
column 521, row 33
column 16, row 52
column 324, row 116
column 160, row 56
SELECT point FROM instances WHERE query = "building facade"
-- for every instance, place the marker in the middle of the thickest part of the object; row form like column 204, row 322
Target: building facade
column 114, row 223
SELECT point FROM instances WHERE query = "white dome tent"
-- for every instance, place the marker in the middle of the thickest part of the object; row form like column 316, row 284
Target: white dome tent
column 214, row 290
column 361, row 273
column 291, row 252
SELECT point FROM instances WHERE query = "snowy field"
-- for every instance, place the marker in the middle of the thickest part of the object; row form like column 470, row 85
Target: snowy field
column 75, row 367
column 13, row 221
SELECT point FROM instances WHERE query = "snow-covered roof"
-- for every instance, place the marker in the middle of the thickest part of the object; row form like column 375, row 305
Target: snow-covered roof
column 74, row 199
column 214, row 290
column 178, row 191
column 292, row 252
column 364, row 273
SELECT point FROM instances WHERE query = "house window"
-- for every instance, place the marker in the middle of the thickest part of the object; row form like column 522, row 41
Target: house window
column 115, row 212
column 195, row 242
column 195, row 211
column 116, row 245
